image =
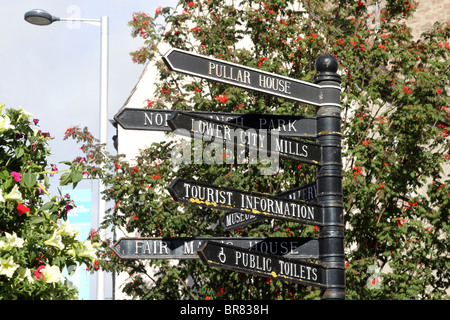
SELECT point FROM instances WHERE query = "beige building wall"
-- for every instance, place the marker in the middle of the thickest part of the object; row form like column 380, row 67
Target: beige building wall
column 427, row 13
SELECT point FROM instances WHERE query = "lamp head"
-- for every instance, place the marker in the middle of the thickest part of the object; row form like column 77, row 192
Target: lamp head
column 40, row 17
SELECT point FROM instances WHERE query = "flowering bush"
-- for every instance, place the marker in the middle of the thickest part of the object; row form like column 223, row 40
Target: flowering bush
column 36, row 241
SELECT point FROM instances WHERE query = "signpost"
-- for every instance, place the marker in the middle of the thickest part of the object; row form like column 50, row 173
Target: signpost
column 268, row 257
column 185, row 248
column 249, row 78
column 263, row 265
column 269, row 206
column 156, row 120
column 230, row 134
column 234, row 220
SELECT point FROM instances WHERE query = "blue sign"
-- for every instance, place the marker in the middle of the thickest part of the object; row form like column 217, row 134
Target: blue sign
column 80, row 220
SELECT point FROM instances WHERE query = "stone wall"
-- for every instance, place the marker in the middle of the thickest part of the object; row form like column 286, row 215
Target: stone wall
column 427, row 13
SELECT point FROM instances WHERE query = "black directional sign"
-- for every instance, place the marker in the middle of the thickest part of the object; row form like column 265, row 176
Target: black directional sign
column 261, row 264
column 225, row 133
column 269, row 206
column 234, row 220
column 143, row 119
column 248, row 78
column 185, row 247
column 156, row 120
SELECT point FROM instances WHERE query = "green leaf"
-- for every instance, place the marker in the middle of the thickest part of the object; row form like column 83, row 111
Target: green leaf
column 65, row 179
column 19, row 152
column 36, row 220
column 49, row 206
column 29, row 179
column 76, row 176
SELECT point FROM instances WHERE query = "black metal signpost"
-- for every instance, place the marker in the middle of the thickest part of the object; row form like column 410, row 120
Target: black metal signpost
column 249, row 78
column 185, row 248
column 325, row 95
column 269, row 206
column 234, row 220
column 278, row 257
column 157, row 120
column 329, row 182
column 288, row 148
column 261, row 264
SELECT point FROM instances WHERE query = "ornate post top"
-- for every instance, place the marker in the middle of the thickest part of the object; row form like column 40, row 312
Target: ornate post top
column 326, row 66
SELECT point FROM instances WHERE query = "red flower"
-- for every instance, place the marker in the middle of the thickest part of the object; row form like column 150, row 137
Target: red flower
column 407, row 90
column 134, row 169
column 356, row 171
column 158, row 10
column 165, row 90
column 222, row 98
column 261, row 60
column 38, row 274
column 22, row 209
column 96, row 265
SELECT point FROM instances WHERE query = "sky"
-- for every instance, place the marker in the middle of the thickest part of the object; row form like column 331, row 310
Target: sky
column 53, row 71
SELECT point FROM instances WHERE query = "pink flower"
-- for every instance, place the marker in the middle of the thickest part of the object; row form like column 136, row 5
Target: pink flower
column 54, row 168
column 16, row 176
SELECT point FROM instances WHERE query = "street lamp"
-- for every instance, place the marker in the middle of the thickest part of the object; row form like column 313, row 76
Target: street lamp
column 42, row 18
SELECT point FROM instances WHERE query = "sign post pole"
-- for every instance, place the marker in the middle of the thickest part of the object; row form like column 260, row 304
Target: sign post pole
column 329, row 181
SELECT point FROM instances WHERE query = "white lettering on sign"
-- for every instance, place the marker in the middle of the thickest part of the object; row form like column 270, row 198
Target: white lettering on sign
column 156, row 119
column 274, row 84
column 275, row 247
column 291, row 147
column 208, row 195
column 305, row 194
column 227, row 72
column 238, row 217
column 294, row 270
column 256, row 262
column 280, row 207
column 278, row 124
column 151, row 247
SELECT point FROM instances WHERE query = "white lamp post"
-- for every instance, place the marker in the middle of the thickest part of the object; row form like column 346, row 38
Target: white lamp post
column 42, row 18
